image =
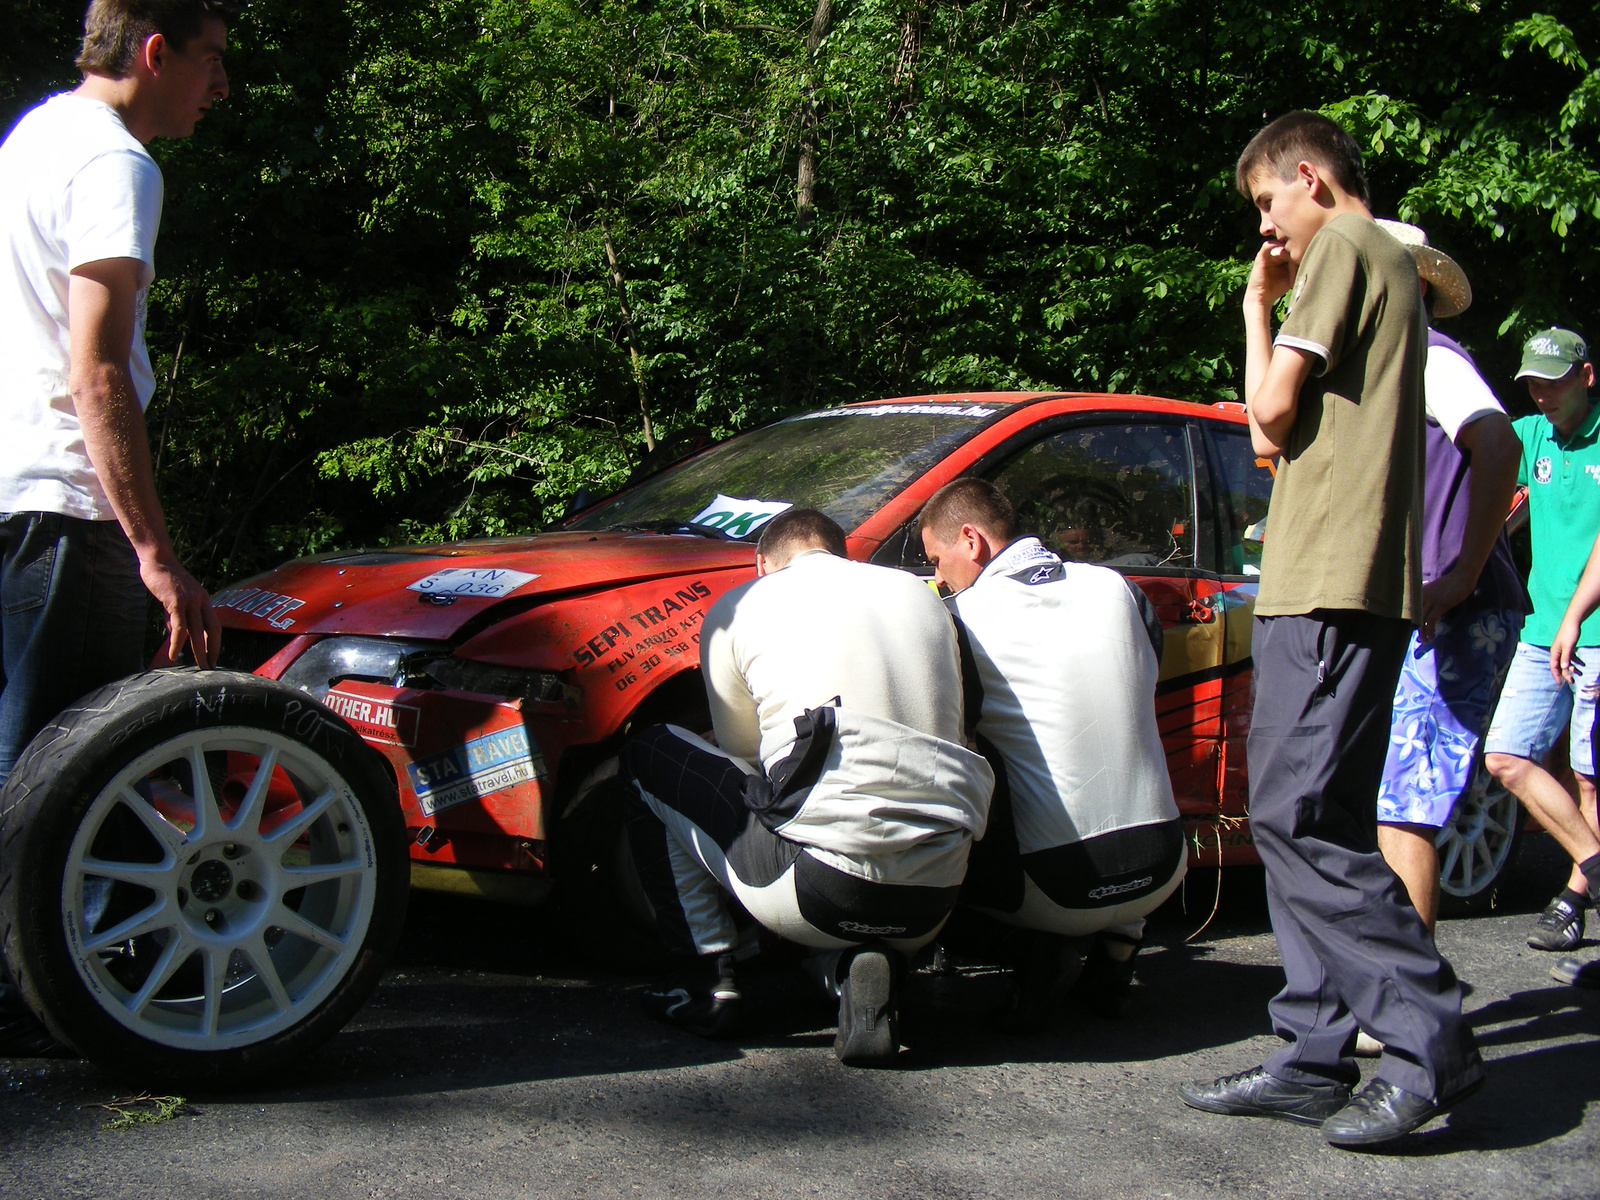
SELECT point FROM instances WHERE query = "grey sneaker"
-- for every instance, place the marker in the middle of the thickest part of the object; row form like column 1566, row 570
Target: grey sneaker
column 1258, row 1093
column 1559, row 927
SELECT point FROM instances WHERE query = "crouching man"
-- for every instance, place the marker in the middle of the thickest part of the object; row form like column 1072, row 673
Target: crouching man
column 1083, row 835
column 839, row 803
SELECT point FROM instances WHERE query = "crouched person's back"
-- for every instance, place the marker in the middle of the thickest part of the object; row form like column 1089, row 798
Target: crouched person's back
column 1084, row 838
column 839, row 803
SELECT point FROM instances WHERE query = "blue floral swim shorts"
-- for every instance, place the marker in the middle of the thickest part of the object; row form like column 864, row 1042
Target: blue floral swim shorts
column 1441, row 707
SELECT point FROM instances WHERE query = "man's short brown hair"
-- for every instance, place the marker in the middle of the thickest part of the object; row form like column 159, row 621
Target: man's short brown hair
column 1298, row 137
column 115, row 30
column 797, row 529
column 968, row 502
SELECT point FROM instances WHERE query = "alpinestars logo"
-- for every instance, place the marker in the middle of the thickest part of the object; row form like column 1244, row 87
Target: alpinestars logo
column 1116, row 889
column 871, row 930
column 1541, row 470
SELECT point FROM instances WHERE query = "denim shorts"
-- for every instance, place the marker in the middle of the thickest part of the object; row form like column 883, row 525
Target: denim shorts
column 1446, row 694
column 1533, row 708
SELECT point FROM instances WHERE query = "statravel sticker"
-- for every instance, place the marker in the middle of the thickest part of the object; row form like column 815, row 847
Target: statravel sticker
column 737, row 518
column 475, row 769
column 376, row 720
column 490, row 582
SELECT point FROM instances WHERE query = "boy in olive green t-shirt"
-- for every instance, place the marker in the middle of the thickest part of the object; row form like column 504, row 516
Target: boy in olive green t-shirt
column 1336, row 398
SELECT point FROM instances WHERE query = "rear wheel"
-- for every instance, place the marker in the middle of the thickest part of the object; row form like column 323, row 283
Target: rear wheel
column 202, row 875
column 1478, row 845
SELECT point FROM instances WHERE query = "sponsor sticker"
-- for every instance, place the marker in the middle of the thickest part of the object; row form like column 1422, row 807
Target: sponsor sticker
column 475, row 769
column 376, row 720
column 736, row 518
column 271, row 607
column 489, row 582
column 896, row 410
column 1117, row 889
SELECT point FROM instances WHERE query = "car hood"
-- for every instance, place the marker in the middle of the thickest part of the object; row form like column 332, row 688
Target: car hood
column 433, row 591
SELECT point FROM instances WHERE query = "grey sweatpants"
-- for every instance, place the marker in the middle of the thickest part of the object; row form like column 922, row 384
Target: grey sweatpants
column 1355, row 953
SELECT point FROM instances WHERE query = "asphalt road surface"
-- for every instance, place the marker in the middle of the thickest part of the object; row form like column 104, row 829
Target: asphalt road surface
column 496, row 1062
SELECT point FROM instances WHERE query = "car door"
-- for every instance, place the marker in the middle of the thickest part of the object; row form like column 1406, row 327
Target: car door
column 1242, row 487
column 1131, row 492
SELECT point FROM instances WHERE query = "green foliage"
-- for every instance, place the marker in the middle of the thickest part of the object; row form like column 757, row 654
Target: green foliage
column 143, row 1109
column 389, row 303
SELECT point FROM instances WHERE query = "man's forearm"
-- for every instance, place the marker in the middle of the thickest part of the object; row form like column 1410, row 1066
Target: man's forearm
column 1495, row 454
column 1257, row 347
column 1257, row 358
column 114, row 436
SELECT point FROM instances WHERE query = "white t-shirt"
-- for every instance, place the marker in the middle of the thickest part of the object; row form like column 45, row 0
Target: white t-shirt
column 75, row 187
column 1455, row 394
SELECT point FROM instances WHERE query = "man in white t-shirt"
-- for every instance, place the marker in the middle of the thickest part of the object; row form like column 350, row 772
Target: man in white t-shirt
column 82, row 535
column 1473, row 601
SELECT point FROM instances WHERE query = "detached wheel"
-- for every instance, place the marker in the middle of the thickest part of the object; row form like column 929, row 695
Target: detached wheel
column 202, row 875
column 1478, row 846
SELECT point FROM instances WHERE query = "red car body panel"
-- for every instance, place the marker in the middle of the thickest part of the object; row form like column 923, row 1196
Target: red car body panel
column 616, row 616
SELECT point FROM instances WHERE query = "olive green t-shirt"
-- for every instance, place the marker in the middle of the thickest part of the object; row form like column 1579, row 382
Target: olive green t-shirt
column 1345, row 523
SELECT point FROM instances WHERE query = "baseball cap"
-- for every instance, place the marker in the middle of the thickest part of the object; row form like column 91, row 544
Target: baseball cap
column 1551, row 353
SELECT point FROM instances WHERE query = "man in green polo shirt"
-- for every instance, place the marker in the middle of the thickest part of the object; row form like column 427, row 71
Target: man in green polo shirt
column 1561, row 469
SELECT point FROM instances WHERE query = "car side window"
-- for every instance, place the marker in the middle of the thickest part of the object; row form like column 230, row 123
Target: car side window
column 1244, row 488
column 1120, row 494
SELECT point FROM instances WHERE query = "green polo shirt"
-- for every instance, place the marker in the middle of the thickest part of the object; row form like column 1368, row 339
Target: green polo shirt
column 1562, row 476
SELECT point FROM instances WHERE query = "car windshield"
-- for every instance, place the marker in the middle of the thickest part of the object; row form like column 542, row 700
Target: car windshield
column 845, row 461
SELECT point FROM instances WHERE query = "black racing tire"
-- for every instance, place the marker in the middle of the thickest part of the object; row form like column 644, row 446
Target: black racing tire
column 1478, row 846
column 178, row 914
column 600, row 903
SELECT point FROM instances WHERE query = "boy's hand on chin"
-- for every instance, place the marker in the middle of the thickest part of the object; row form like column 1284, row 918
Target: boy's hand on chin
column 1271, row 275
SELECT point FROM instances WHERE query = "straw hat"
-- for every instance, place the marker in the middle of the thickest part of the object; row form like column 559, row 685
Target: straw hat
column 1452, row 292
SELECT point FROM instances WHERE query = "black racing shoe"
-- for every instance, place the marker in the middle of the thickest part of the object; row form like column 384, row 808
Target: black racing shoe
column 1044, row 968
column 1572, row 971
column 1259, row 1093
column 869, row 1015
column 1559, row 927
column 1106, row 985
column 1381, row 1112
column 703, row 998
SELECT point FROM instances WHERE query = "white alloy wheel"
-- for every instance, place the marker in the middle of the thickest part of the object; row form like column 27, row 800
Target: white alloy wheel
column 1480, row 839
column 218, row 888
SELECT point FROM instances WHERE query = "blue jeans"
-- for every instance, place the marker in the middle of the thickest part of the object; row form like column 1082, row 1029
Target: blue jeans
column 1534, row 708
column 72, row 617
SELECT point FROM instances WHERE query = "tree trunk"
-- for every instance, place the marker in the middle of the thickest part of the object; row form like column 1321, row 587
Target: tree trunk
column 905, row 66
column 806, row 177
column 621, row 284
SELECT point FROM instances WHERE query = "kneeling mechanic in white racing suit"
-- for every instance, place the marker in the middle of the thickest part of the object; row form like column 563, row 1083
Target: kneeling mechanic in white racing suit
column 1060, row 663
column 839, row 803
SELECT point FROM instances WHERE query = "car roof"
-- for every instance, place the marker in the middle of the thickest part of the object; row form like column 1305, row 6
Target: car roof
column 1011, row 402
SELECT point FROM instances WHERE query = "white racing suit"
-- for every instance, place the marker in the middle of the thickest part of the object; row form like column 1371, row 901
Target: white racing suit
column 1060, row 662
column 858, row 832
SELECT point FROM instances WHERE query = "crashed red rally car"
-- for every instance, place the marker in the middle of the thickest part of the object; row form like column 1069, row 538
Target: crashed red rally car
column 221, row 887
